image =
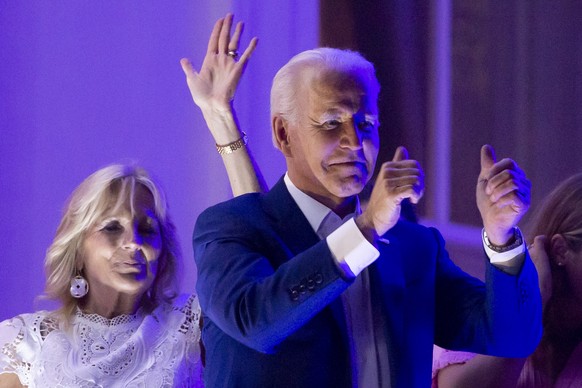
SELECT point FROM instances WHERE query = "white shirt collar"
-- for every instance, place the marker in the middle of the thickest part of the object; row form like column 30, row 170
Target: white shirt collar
column 312, row 209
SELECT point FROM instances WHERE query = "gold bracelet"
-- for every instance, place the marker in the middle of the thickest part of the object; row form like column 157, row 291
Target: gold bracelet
column 233, row 146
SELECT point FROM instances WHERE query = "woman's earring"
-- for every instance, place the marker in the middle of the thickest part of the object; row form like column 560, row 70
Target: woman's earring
column 79, row 287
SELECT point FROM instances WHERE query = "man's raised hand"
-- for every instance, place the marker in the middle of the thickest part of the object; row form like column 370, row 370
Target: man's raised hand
column 397, row 180
column 503, row 195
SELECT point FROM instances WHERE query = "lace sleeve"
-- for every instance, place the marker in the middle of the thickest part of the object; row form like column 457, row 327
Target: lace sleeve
column 17, row 348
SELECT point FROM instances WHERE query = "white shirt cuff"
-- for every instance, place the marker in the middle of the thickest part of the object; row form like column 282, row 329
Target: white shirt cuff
column 503, row 257
column 350, row 249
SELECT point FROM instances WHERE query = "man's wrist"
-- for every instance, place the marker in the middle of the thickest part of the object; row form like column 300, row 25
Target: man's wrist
column 514, row 241
column 366, row 229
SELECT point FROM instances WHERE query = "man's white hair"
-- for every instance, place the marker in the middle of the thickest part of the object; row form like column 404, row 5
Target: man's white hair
column 287, row 81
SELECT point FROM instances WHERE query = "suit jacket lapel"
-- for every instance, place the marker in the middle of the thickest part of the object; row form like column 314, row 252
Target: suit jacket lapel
column 294, row 229
column 288, row 220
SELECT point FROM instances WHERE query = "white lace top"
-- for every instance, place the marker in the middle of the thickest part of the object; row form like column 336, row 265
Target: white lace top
column 160, row 349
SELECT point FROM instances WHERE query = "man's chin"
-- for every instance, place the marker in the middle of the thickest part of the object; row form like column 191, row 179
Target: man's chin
column 349, row 187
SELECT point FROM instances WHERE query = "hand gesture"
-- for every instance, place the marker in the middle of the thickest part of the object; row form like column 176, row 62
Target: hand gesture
column 503, row 196
column 214, row 86
column 399, row 179
column 539, row 256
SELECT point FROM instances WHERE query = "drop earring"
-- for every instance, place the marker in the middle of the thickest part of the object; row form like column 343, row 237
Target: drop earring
column 79, row 287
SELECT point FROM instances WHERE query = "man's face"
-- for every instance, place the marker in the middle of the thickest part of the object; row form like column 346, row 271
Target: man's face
column 334, row 143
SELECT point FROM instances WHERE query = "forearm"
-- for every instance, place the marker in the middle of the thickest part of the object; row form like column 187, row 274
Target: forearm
column 10, row 380
column 252, row 299
column 500, row 318
column 243, row 172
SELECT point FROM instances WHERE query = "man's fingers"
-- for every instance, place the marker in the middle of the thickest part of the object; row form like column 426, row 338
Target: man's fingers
column 400, row 154
column 510, row 178
column 414, row 192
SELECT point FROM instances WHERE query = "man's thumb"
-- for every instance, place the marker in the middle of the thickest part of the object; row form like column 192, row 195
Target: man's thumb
column 487, row 157
column 400, row 154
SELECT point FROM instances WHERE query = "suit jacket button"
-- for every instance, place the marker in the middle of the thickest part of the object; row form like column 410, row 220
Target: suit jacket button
column 302, row 287
column 318, row 278
column 294, row 293
column 310, row 284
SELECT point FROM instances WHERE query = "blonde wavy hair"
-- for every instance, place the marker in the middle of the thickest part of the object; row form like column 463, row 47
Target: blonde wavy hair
column 561, row 213
column 86, row 205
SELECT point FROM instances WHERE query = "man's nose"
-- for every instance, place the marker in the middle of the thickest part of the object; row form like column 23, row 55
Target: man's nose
column 351, row 135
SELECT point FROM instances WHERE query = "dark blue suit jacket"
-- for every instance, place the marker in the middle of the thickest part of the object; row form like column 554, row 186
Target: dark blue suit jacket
column 269, row 290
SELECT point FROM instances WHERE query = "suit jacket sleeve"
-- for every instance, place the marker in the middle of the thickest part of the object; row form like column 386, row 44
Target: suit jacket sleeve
column 501, row 317
column 253, row 285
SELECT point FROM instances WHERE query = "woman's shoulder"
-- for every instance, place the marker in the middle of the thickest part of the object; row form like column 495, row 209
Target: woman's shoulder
column 28, row 329
column 27, row 322
column 21, row 339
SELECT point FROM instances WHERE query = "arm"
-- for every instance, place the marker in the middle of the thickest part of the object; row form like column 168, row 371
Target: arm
column 213, row 90
column 503, row 196
column 19, row 351
column 488, row 371
column 478, row 368
column 246, row 274
column 10, row 380
column 501, row 317
column 508, row 321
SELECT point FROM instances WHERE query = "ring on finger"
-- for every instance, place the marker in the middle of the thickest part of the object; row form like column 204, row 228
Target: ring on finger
column 233, row 54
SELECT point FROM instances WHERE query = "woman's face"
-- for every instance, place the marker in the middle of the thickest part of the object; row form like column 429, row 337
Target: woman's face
column 120, row 254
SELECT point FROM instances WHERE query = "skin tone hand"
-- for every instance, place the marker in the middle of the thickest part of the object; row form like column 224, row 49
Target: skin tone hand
column 10, row 380
column 214, row 86
column 398, row 179
column 213, row 89
column 503, row 196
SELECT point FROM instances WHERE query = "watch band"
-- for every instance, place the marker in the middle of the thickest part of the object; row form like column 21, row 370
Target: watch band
column 518, row 240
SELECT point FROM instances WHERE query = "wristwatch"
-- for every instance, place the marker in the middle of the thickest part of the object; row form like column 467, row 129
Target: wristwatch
column 517, row 241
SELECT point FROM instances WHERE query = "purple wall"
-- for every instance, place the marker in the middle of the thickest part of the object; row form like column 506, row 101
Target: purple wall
column 84, row 84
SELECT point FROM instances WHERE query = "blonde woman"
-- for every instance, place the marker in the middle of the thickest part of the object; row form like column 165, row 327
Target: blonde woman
column 113, row 263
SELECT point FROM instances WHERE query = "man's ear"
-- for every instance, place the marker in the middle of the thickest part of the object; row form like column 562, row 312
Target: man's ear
column 281, row 135
column 560, row 250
